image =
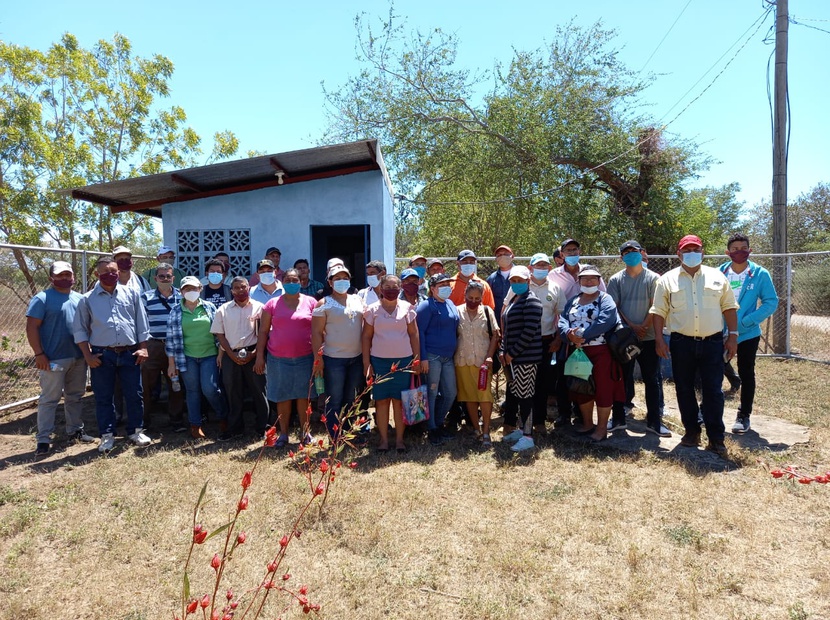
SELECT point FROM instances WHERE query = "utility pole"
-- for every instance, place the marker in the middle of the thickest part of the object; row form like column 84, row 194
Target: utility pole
column 779, row 176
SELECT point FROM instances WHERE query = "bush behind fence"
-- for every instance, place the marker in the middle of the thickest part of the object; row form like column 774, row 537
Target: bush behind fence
column 803, row 320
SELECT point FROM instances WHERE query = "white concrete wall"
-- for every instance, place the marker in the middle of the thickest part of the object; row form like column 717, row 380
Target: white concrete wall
column 281, row 216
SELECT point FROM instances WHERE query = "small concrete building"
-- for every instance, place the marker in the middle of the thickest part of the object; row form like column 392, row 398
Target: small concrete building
column 314, row 204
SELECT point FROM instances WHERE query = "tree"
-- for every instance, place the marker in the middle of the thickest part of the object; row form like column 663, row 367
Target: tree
column 71, row 117
column 808, row 222
column 554, row 146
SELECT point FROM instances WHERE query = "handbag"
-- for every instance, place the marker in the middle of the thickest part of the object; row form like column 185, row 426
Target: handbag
column 587, row 387
column 415, row 402
column 623, row 344
column 578, row 365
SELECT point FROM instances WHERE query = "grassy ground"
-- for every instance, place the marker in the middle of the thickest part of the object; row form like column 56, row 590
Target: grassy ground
column 569, row 532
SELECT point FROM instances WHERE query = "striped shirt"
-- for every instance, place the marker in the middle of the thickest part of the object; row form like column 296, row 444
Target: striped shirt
column 158, row 309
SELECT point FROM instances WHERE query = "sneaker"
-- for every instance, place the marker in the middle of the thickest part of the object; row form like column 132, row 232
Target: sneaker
column 513, row 437
column 741, row 425
column 659, row 430
column 525, row 443
column 617, row 425
column 107, row 442
column 690, row 440
column 718, row 448
column 42, row 449
column 139, row 439
column 82, row 437
column 307, row 440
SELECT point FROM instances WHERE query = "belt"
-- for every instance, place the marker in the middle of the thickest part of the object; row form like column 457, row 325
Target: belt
column 131, row 347
column 678, row 335
column 249, row 348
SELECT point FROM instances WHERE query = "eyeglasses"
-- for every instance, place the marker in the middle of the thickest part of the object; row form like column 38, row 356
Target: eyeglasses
column 161, row 277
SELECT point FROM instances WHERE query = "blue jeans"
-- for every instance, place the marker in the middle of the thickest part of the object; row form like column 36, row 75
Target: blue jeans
column 441, row 388
column 344, row 381
column 121, row 365
column 69, row 382
column 689, row 357
column 202, row 377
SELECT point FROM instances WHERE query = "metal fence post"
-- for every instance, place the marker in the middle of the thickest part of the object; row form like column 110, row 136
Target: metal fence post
column 789, row 301
column 83, row 271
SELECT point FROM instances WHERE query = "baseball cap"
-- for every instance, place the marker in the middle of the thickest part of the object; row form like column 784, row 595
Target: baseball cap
column 408, row 273
column 59, row 266
column 165, row 249
column 630, row 244
column 434, row 261
column 689, row 240
column 332, row 262
column 416, row 257
column 190, row 281
column 539, row 257
column 438, row 277
column 466, row 254
column 589, row 270
column 264, row 263
column 568, row 242
column 503, row 247
column 273, row 249
column 338, row 268
column 121, row 250
column 520, row 271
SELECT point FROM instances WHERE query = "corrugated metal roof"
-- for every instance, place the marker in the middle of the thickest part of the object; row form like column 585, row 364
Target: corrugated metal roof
column 147, row 194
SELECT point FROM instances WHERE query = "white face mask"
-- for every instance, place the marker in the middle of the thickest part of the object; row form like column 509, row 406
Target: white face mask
column 191, row 296
column 589, row 290
column 504, row 261
column 267, row 277
column 468, row 270
column 372, row 281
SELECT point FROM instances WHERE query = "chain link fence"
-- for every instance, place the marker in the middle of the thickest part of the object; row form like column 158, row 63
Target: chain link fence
column 800, row 328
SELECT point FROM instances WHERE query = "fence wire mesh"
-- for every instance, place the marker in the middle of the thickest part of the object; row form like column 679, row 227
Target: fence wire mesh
column 800, row 328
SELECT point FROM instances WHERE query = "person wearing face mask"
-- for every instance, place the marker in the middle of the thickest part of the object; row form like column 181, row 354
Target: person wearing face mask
column 308, row 286
column 327, row 290
column 336, row 329
column 632, row 290
column 584, row 321
column 552, row 301
column 434, row 266
column 418, row 263
column 755, row 293
column 236, row 328
column 438, row 333
column 61, row 364
column 499, row 280
column 521, row 353
column 274, row 255
column 110, row 327
column 192, row 353
column 478, row 340
column 284, row 354
column 695, row 301
column 159, row 302
column 467, row 268
column 268, row 287
column 411, row 287
column 390, row 339
column 126, row 277
column 567, row 276
column 215, row 289
column 375, row 270
column 166, row 255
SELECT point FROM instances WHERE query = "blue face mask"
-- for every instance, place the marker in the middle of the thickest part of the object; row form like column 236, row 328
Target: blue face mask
column 632, row 259
column 214, row 278
column 372, row 281
column 421, row 271
column 341, row 286
column 444, row 292
column 267, row 278
column 519, row 288
column 692, row 259
column 291, row 288
column 468, row 270
column 540, row 274
column 572, row 261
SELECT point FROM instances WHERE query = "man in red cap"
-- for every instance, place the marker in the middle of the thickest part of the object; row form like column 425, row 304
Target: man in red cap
column 694, row 301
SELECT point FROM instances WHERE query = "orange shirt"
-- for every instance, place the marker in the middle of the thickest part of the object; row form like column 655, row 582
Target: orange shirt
column 459, row 290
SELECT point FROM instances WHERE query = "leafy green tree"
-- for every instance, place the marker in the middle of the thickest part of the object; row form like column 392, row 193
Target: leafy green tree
column 548, row 146
column 808, row 222
column 71, row 117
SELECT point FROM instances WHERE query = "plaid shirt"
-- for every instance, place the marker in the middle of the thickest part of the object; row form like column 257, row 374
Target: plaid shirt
column 174, row 346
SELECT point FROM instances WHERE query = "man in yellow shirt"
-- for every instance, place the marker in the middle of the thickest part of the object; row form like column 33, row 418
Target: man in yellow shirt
column 694, row 301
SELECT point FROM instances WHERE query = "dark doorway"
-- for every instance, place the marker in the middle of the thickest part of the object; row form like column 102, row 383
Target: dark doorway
column 351, row 243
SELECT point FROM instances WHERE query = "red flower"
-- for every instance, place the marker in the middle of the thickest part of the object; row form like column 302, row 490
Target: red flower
column 235, row 604
column 191, row 606
column 777, row 473
column 269, row 584
column 353, row 464
column 319, row 490
column 229, row 594
column 291, row 454
column 286, row 577
column 416, row 363
column 324, row 466
column 822, row 479
column 303, row 590
column 205, row 601
column 272, row 566
column 370, row 381
column 271, row 441
column 216, row 562
column 320, row 442
column 240, row 540
column 308, row 410
column 243, row 504
column 394, row 367
column 214, row 615
column 805, row 480
column 199, row 534
column 246, row 480
column 335, row 427
column 323, row 419
column 284, row 540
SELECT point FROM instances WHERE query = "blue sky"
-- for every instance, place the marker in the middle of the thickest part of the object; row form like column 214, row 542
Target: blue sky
column 256, row 68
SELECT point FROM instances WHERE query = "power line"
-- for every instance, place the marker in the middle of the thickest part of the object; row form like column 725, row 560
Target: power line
column 674, row 23
column 797, row 23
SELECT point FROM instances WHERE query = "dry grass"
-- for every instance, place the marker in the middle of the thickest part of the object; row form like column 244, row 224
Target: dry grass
column 452, row 533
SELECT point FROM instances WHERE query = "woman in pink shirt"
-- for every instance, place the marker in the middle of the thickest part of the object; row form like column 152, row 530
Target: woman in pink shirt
column 286, row 329
column 390, row 338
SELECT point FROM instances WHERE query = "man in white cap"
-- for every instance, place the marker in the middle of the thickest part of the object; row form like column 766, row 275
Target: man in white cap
column 167, row 256
column 57, row 357
column 123, row 257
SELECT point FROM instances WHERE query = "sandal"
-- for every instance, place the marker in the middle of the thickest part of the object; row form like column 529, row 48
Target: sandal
column 485, row 441
column 282, row 441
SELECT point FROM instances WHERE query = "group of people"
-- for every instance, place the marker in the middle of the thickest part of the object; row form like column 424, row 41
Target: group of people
column 282, row 340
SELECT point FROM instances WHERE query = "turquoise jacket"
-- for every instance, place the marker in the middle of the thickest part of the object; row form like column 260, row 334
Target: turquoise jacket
column 757, row 300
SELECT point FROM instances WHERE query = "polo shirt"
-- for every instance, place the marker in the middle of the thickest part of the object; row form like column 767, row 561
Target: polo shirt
column 56, row 311
column 459, row 292
column 198, row 341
